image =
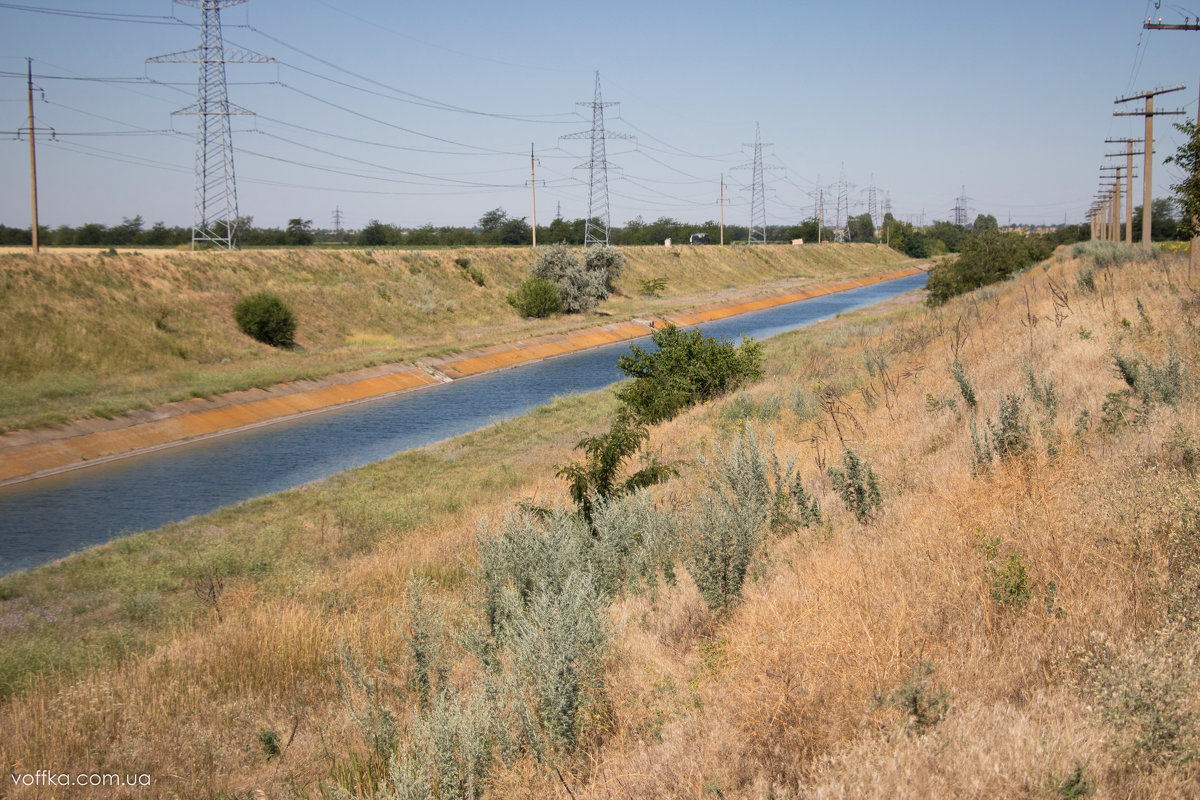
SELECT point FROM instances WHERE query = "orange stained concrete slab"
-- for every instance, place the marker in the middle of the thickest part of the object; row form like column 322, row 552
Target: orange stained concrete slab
column 60, row 454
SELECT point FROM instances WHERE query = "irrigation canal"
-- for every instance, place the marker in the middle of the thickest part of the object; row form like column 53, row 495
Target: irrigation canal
column 48, row 518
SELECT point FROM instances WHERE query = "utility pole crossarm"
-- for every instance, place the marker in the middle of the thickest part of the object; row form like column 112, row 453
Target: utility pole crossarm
column 1174, row 113
column 1150, row 93
column 197, row 55
column 1160, row 26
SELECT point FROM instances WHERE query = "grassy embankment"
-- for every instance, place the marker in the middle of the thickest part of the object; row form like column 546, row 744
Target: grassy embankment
column 90, row 334
column 1015, row 620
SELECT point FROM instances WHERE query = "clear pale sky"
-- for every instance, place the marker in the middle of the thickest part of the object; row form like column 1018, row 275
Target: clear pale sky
column 1012, row 101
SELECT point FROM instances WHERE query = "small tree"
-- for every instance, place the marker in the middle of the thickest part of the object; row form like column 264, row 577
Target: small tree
column 597, row 477
column 375, row 234
column 1187, row 191
column 299, row 231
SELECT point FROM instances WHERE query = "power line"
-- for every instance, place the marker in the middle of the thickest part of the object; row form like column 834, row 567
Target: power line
column 408, row 97
column 149, row 19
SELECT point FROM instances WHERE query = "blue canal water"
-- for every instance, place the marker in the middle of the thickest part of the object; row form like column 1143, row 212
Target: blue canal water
column 46, row 519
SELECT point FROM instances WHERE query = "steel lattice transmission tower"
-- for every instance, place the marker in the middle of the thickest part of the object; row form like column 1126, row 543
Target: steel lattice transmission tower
column 843, row 205
column 758, row 191
column 872, row 205
column 961, row 210
column 216, row 212
column 595, row 229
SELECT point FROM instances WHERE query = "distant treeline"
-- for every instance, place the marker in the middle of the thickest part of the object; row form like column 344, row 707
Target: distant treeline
column 496, row 227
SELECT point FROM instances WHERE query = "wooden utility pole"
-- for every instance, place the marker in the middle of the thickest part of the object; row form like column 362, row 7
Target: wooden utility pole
column 722, row 209
column 1188, row 25
column 533, row 192
column 1115, row 210
column 1129, row 154
column 32, row 159
column 1148, row 164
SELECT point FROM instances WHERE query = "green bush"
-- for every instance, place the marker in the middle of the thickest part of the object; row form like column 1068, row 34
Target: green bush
column 450, row 753
column 579, row 288
column 724, row 540
column 633, row 541
column 264, row 317
column 986, row 258
column 536, row 297
column 652, row 287
column 559, row 642
column 1009, row 582
column 752, row 479
column 856, row 483
column 922, row 701
column 605, row 261
column 687, row 368
column 959, row 373
column 1011, row 431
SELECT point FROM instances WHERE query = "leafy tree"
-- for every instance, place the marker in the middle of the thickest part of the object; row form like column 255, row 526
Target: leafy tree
column 514, row 231
column 375, row 234
column 299, row 231
column 423, row 236
column 559, row 231
column 598, row 477
column 985, row 222
column 861, row 228
column 807, row 230
column 895, row 232
column 492, row 220
column 1164, row 224
column 948, row 234
column 1187, row 191
column 91, row 233
column 917, row 245
column 158, row 234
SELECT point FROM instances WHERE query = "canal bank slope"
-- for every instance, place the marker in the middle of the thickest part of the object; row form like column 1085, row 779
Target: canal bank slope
column 100, row 333
column 29, row 454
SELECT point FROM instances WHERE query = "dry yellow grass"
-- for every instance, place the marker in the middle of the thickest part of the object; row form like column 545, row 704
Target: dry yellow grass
column 787, row 695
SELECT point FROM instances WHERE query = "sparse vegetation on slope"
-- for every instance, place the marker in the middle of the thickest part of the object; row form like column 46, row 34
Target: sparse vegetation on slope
column 1024, row 627
column 89, row 333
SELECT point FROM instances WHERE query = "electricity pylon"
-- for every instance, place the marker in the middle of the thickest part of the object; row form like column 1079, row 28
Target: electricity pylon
column 216, row 211
column 758, row 191
column 597, row 170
